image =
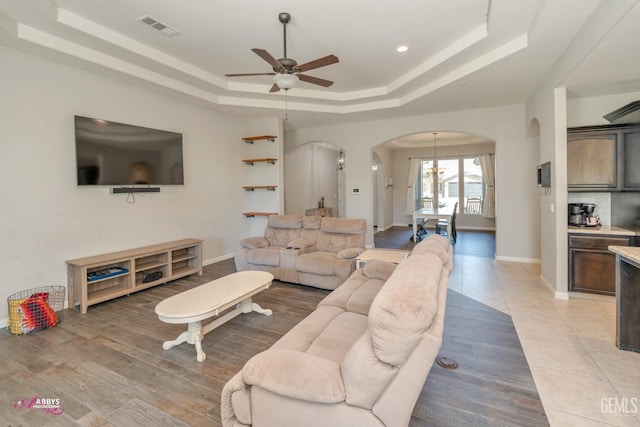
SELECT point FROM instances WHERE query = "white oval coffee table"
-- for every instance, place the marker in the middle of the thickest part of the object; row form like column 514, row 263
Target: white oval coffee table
column 210, row 299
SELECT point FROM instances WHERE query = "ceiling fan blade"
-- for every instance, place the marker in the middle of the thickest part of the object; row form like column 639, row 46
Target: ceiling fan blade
column 250, row 74
column 314, row 80
column 317, row 63
column 277, row 67
column 274, row 88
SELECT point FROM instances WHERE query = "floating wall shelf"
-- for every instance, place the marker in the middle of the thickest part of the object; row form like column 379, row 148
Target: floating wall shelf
column 258, row 187
column 252, row 214
column 250, row 139
column 269, row 160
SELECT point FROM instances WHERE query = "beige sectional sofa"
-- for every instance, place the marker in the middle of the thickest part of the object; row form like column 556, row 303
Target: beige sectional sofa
column 308, row 250
column 360, row 359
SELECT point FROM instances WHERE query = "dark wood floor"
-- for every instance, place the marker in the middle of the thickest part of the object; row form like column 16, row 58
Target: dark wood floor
column 108, row 367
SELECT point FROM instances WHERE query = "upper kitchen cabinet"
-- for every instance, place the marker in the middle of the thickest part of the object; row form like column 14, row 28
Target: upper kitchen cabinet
column 631, row 159
column 592, row 163
column 603, row 158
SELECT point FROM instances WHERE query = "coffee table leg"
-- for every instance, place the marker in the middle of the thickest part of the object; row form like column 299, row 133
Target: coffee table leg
column 248, row 306
column 198, row 343
column 193, row 335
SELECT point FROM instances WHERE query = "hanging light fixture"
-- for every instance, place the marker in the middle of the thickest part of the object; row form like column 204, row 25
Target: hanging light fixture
column 435, row 170
column 341, row 164
column 285, row 81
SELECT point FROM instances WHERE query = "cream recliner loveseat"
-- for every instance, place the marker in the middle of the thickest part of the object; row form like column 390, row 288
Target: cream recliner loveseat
column 308, row 250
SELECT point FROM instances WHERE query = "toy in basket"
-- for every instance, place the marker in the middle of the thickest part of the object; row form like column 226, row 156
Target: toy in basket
column 35, row 309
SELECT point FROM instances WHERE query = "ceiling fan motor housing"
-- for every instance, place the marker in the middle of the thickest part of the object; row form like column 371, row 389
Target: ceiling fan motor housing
column 287, row 63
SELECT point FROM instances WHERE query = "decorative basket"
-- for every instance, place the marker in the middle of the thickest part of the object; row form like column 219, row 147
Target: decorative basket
column 35, row 309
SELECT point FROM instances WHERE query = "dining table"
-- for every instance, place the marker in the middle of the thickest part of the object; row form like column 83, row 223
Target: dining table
column 442, row 212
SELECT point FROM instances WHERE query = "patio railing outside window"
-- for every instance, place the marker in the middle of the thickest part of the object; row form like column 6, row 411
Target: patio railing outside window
column 445, row 187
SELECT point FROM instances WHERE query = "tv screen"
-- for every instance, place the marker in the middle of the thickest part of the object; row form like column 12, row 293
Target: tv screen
column 110, row 153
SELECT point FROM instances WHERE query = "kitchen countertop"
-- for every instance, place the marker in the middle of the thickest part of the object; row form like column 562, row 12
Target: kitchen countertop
column 603, row 229
column 629, row 252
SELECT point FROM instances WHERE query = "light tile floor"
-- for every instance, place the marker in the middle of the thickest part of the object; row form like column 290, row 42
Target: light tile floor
column 582, row 378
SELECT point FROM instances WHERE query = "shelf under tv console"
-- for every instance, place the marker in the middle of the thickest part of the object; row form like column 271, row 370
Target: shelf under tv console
column 100, row 278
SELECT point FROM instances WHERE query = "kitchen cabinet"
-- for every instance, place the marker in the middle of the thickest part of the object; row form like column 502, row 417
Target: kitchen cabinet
column 592, row 160
column 630, row 159
column 591, row 265
column 603, row 158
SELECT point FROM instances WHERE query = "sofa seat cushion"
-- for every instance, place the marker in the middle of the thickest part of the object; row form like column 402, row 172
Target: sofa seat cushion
column 265, row 256
column 328, row 332
column 317, row 263
column 334, row 342
column 356, row 294
column 302, row 335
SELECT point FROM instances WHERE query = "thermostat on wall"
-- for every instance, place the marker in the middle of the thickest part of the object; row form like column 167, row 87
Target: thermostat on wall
column 355, row 191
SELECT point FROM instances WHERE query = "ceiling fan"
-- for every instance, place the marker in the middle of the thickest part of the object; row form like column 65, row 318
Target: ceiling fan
column 286, row 71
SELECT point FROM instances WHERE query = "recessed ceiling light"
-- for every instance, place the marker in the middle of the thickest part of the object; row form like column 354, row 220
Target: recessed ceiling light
column 402, row 49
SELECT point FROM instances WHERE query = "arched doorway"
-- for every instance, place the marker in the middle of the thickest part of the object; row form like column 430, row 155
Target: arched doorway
column 458, row 152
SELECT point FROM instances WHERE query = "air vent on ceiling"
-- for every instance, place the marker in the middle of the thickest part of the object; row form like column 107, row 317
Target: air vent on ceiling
column 159, row 25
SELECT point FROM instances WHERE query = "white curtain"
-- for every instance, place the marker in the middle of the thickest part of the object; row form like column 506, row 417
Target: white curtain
column 489, row 176
column 414, row 170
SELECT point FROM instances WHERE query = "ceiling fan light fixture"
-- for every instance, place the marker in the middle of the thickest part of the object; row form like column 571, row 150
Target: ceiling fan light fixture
column 285, row 81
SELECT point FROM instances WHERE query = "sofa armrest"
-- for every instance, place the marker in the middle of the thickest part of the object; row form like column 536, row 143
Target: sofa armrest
column 296, row 375
column 236, row 403
column 254, row 242
column 347, row 253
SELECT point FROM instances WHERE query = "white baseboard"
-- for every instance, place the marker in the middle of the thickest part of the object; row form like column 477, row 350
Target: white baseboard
column 218, row 259
column 4, row 322
column 561, row 295
column 517, row 259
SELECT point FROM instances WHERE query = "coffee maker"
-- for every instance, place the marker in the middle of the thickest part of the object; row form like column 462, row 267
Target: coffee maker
column 581, row 215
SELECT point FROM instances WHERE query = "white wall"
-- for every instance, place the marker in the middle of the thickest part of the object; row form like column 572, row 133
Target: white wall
column 515, row 172
column 310, row 174
column 385, row 192
column 547, row 106
column 589, row 111
column 46, row 219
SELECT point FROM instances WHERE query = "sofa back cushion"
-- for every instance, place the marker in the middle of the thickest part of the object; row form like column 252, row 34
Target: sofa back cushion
column 400, row 316
column 437, row 245
column 282, row 229
column 337, row 234
column 405, row 307
column 310, row 227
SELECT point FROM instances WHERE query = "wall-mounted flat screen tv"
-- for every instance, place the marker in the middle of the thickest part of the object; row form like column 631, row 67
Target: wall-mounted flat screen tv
column 110, row 153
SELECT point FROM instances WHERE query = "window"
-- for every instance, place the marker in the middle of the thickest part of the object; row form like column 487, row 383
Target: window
column 442, row 186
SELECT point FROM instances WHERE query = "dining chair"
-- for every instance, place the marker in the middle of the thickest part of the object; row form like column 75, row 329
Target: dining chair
column 474, row 205
column 441, row 225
